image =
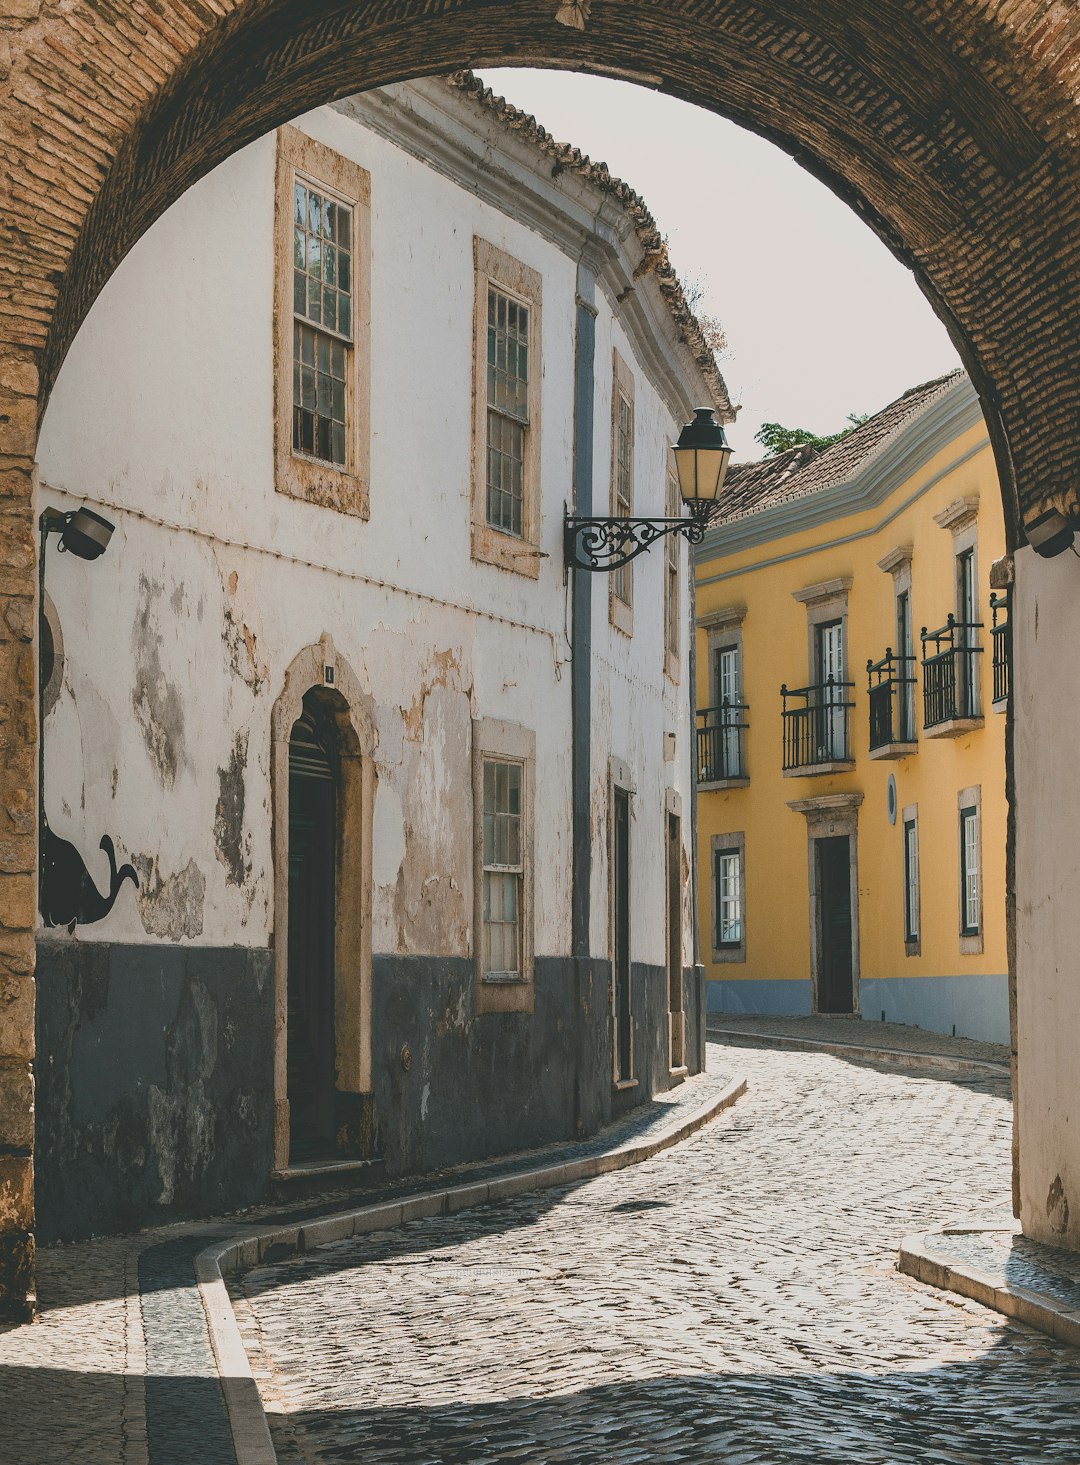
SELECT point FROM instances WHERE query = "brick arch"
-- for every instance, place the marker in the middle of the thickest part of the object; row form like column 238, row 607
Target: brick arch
column 948, row 124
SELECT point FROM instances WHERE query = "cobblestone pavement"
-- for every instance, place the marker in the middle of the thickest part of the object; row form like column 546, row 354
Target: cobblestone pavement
column 862, row 1033
column 71, row 1386
column 119, row 1368
column 733, row 1300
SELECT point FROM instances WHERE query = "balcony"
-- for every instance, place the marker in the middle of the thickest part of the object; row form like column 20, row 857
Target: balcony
column 816, row 729
column 891, row 684
column 951, row 679
column 720, row 754
column 1001, row 630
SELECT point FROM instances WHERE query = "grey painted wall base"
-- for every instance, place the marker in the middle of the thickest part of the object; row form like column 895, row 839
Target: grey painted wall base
column 765, row 999
column 978, row 1006
column 154, row 1083
column 155, row 1072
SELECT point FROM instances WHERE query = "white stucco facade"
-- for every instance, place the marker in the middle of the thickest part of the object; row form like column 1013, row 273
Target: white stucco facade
column 177, row 643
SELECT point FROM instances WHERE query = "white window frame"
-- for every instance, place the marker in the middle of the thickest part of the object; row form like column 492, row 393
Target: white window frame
column 344, row 487
column 912, row 908
column 969, row 841
column 504, row 742
column 495, row 269
column 728, row 847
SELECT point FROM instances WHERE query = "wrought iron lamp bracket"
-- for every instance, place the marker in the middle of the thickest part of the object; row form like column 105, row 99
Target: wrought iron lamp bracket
column 608, row 544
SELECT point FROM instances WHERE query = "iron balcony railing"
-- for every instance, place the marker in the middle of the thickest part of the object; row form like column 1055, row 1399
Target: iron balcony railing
column 892, row 714
column 817, row 731
column 1002, row 633
column 720, row 733
column 950, row 672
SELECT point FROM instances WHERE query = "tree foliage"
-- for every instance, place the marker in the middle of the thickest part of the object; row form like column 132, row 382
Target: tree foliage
column 775, row 438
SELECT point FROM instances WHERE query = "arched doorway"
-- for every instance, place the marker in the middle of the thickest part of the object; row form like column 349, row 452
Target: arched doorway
column 950, row 132
column 314, row 797
column 322, row 749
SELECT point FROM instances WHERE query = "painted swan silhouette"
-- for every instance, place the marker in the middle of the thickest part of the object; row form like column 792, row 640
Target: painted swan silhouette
column 69, row 896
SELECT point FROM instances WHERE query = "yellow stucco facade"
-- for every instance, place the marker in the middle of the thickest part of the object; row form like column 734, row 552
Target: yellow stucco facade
column 915, row 510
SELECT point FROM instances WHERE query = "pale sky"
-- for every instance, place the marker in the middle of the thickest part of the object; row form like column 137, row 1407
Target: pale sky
column 821, row 319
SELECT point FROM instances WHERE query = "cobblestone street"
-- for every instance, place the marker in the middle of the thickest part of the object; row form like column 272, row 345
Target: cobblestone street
column 733, row 1299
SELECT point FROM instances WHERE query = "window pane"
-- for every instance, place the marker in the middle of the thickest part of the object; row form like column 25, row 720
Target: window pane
column 299, row 203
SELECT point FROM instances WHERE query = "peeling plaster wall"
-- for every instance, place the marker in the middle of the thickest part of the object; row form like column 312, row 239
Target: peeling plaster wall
column 177, row 644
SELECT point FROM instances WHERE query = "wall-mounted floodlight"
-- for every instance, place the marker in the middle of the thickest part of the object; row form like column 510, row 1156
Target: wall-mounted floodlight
column 1050, row 533
column 82, row 532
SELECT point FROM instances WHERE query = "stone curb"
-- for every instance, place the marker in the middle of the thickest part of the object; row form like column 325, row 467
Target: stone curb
column 901, row 1057
column 250, row 1245
column 919, row 1259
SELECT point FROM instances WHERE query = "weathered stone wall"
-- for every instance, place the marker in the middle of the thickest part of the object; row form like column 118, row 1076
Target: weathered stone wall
column 947, row 123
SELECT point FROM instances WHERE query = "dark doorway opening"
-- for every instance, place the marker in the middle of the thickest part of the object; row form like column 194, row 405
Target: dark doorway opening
column 835, row 992
column 676, row 1012
column 313, row 807
column 624, row 1053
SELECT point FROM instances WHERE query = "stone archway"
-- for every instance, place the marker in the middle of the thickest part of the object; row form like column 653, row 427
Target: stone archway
column 947, row 126
column 322, row 667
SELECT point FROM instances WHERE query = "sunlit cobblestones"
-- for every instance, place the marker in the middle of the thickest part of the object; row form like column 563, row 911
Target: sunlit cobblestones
column 732, row 1300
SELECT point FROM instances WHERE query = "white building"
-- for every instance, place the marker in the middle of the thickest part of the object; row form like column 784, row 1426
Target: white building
column 388, row 777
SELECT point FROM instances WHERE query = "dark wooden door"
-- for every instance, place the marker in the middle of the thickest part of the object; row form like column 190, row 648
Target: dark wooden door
column 312, row 876
column 621, row 924
column 676, row 1018
column 835, row 992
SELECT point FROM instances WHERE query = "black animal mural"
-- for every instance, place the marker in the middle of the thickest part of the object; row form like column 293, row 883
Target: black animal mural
column 69, row 895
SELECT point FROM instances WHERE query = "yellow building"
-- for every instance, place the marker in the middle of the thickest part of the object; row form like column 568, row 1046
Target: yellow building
column 851, row 818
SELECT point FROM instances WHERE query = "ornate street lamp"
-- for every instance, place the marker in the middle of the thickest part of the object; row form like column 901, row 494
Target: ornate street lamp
column 702, row 455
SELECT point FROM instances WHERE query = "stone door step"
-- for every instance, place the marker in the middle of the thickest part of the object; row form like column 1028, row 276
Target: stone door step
column 310, row 1177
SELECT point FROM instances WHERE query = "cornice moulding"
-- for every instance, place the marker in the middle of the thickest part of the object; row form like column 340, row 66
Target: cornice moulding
column 959, row 514
column 824, row 590
column 897, row 558
column 826, row 804
column 720, row 620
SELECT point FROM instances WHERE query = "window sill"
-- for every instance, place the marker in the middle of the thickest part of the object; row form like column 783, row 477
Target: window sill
column 521, row 556
column 913, row 948
column 504, row 979
column 726, row 955
column 717, row 785
column 680, row 1073
column 817, row 770
column 894, row 750
column 625, row 1083
column 971, row 945
column 955, row 727
column 1001, row 705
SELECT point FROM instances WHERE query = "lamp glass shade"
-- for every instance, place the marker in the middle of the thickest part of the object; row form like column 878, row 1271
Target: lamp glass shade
column 86, row 534
column 702, row 455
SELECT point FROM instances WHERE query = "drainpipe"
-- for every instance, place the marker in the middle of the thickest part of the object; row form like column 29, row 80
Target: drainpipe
column 581, row 672
column 699, row 969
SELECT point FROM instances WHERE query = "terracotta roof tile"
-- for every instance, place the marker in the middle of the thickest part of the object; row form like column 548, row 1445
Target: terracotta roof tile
column 752, row 487
column 568, row 159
